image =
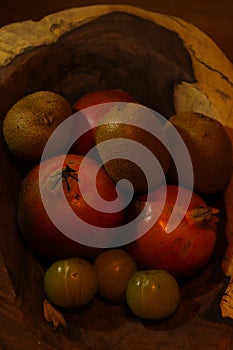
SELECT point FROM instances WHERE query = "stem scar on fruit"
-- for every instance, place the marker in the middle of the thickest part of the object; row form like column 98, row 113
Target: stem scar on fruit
column 202, row 215
column 66, row 173
column 44, row 118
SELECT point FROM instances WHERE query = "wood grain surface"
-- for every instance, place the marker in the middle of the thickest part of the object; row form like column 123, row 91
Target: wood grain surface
column 213, row 17
column 101, row 326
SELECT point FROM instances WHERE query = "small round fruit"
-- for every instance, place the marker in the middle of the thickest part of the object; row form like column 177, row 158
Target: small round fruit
column 104, row 101
column 210, row 150
column 122, row 122
column 30, row 122
column 70, row 282
column 152, row 294
column 114, row 267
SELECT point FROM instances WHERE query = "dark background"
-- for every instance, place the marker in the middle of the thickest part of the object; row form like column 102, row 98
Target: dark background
column 214, row 17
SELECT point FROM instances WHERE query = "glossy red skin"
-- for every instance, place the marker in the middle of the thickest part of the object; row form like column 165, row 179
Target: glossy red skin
column 87, row 141
column 182, row 252
column 41, row 235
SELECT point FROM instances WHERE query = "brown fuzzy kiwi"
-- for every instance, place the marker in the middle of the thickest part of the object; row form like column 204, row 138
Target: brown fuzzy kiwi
column 210, row 150
column 117, row 125
column 30, row 122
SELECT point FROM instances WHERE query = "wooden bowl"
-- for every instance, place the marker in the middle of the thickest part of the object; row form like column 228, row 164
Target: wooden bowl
column 168, row 65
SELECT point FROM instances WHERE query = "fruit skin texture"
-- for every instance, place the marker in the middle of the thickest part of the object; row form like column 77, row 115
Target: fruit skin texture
column 210, row 150
column 152, row 294
column 186, row 249
column 87, row 141
column 30, row 122
column 70, row 282
column 114, row 267
column 39, row 232
column 120, row 122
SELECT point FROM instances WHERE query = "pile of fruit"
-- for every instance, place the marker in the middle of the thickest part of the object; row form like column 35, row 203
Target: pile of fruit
column 145, row 272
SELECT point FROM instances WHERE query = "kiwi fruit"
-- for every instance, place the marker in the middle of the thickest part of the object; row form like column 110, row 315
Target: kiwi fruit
column 31, row 120
column 210, row 150
column 122, row 122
